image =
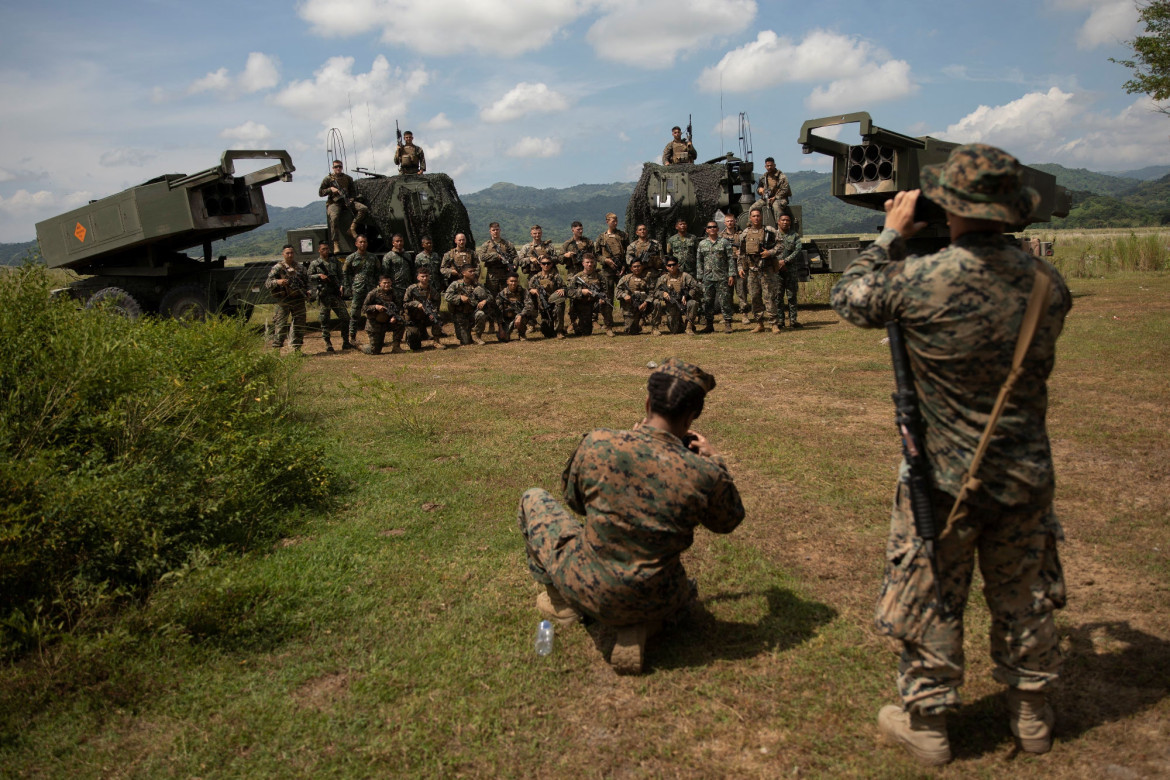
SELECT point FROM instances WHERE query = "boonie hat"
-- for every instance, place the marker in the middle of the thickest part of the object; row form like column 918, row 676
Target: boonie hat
column 687, row 372
column 980, row 182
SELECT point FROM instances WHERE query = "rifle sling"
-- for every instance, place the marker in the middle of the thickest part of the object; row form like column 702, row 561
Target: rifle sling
column 1036, row 303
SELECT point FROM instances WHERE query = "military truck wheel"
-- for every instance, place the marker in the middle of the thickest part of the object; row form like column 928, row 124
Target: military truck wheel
column 117, row 300
column 187, row 303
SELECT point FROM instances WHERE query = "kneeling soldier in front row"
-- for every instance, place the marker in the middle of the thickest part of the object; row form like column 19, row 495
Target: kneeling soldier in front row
column 470, row 306
column 676, row 295
column 381, row 312
column 548, row 290
column 421, row 304
column 514, row 305
column 634, row 292
column 586, row 293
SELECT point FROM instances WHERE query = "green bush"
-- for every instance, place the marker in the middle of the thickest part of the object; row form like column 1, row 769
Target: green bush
column 127, row 446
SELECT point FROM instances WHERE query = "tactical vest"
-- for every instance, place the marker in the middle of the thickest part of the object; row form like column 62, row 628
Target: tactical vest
column 678, row 152
column 753, row 241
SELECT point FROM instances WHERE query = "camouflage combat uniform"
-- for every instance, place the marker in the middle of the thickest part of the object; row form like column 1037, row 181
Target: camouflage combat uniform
column 415, row 303
column 640, row 292
column 961, row 311
column 379, row 322
column 533, row 252
column 716, row 268
column 499, row 258
column 612, row 247
column 788, row 251
column 469, row 319
column 776, row 187
column 410, row 159
column 399, row 268
column 329, row 296
column 333, row 207
column 678, row 152
column 762, row 275
column 743, row 300
column 432, row 262
column 550, row 283
column 361, row 276
column 453, row 261
column 650, row 253
column 642, row 494
column 509, row 306
column 687, row 288
column 582, row 307
column 290, row 303
column 682, row 248
column 577, row 248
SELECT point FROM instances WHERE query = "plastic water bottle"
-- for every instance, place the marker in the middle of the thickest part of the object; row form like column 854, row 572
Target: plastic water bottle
column 544, row 638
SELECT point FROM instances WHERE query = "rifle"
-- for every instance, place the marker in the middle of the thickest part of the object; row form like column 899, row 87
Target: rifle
column 599, row 296
column 676, row 299
column 689, row 133
column 398, row 132
column 296, row 289
column 910, row 426
column 429, row 310
column 546, row 308
column 329, row 286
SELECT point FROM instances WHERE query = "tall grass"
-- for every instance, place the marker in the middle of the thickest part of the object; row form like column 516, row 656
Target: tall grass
column 1084, row 257
column 127, row 446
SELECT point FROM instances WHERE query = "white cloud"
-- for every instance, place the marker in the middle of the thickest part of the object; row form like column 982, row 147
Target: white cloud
column 522, row 100
column 260, row 72
column 125, row 156
column 1058, row 126
column 654, row 33
column 438, row 122
column 505, row 28
column 248, row 132
column 6, row 176
column 1109, row 22
column 535, row 147
column 23, row 203
column 854, row 68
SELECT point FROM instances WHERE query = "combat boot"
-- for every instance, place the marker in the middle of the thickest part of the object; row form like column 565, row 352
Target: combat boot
column 777, row 328
column 709, row 327
column 922, row 736
column 629, row 649
column 795, row 324
column 727, row 327
column 1031, row 720
column 395, row 348
column 347, row 344
column 329, row 348
column 439, row 344
column 655, row 332
column 475, row 338
column 552, row 605
column 609, row 332
column 759, row 328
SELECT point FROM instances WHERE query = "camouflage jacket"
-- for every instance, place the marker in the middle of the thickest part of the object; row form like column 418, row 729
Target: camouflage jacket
column 431, row 261
column 731, row 238
column 788, row 248
column 410, row 159
column 582, row 281
column 715, row 261
column 961, row 311
column 532, row 253
column 475, row 293
column 642, row 494
column 684, row 283
column 342, row 182
column 512, row 306
column 456, row 259
column 637, row 287
column 297, row 288
column 612, row 246
column 775, row 186
column 380, row 320
column 551, row 282
column 678, row 152
column 415, row 297
column 577, row 249
column 682, row 248
column 362, row 271
column 399, row 267
column 327, row 289
column 648, row 251
column 497, row 256
column 752, row 242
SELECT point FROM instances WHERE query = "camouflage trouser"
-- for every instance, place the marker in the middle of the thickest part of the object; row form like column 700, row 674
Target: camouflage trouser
column 676, row 321
column 717, row 298
column 376, row 333
column 556, row 302
column 466, row 324
column 327, row 304
column 581, row 312
column 493, row 283
column 608, row 280
column 558, row 556
column 416, row 331
column 763, row 287
column 632, row 316
column 741, row 292
column 788, row 285
column 355, row 309
column 290, row 315
column 1023, row 585
column 333, row 216
column 504, row 330
column 776, row 208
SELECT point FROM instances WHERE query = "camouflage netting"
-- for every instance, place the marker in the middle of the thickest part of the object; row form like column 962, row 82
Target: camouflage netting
column 441, row 218
column 707, row 181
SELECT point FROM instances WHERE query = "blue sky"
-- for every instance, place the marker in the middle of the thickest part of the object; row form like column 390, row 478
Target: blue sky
column 546, row 93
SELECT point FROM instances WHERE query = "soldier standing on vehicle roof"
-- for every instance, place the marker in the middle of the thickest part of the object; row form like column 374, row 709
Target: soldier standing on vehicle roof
column 333, row 187
column 678, row 150
column 611, row 253
column 757, row 262
column 773, row 190
column 408, row 157
column 326, row 275
column 965, row 312
column 289, row 285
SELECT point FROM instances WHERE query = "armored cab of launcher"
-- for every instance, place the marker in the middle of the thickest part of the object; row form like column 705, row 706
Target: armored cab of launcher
column 131, row 244
column 884, row 162
column 665, row 194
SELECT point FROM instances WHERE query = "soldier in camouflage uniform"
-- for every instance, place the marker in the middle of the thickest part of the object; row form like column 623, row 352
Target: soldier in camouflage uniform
column 457, row 257
column 498, row 256
column 648, row 250
column 573, row 250
column 549, row 282
column 430, row 259
column 682, row 246
column 380, row 309
column 642, row 493
column 397, row 265
column 788, row 251
column 408, row 157
column 757, row 262
column 421, row 304
column 289, row 285
column 717, row 274
column 685, row 289
column 531, row 253
column 730, row 234
column 961, row 311
column 515, row 310
column 611, row 253
column 587, row 297
column 774, row 190
column 325, row 274
column 333, row 187
column 470, row 306
column 677, row 150
column 636, row 297
column 362, row 271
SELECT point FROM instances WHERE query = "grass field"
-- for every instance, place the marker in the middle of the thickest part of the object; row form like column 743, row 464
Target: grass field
column 393, row 634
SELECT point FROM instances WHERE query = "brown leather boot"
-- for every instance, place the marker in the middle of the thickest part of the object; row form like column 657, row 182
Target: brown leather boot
column 922, row 736
column 629, row 650
column 727, row 327
column 552, row 605
column 1031, row 720
column 759, row 328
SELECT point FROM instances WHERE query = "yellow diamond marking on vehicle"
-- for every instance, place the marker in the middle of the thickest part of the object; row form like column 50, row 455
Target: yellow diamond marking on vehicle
column 79, row 231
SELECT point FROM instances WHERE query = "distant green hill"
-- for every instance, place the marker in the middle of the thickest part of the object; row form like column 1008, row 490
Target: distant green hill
column 1149, row 173
column 1088, row 181
column 517, row 209
column 1145, row 205
column 15, row 254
